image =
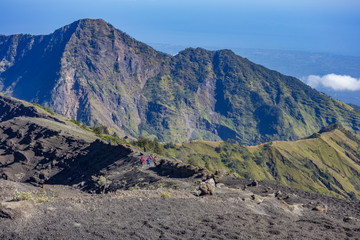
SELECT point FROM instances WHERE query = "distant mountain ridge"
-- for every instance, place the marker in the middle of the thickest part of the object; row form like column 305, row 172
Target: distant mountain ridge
column 298, row 64
column 96, row 74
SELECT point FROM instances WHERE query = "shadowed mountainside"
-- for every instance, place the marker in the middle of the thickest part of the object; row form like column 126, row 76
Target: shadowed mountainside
column 96, row 74
column 39, row 150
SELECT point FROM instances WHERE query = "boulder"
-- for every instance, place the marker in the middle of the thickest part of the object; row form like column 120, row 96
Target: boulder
column 220, row 185
column 278, row 194
column 6, row 213
column 12, row 210
column 349, row 219
column 206, row 189
column 218, row 175
column 211, row 181
column 254, row 183
column 320, row 208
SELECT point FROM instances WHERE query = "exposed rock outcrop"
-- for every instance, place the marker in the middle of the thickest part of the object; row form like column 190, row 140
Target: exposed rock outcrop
column 96, row 74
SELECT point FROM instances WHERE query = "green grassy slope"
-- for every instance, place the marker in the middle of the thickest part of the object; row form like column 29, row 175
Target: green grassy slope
column 91, row 72
column 217, row 95
column 327, row 162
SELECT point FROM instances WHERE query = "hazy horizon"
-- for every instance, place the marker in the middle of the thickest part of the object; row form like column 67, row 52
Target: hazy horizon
column 321, row 26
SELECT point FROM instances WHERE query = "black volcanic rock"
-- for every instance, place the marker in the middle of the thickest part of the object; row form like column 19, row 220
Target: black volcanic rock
column 39, row 148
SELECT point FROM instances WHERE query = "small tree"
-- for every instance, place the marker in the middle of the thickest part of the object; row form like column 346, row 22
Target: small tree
column 101, row 182
column 152, row 145
column 100, row 129
column 158, row 148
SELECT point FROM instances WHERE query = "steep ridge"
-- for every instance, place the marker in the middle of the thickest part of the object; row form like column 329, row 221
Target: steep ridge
column 11, row 108
column 42, row 148
column 30, row 64
column 96, row 74
column 87, row 71
column 327, row 162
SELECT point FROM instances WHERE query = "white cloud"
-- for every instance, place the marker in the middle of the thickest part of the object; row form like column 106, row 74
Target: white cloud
column 333, row 81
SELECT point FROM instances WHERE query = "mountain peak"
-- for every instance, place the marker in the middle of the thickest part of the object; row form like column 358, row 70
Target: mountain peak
column 93, row 25
column 87, row 22
column 96, row 74
column 331, row 128
column 92, row 20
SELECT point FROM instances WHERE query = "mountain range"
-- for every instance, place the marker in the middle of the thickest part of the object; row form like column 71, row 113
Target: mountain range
column 91, row 72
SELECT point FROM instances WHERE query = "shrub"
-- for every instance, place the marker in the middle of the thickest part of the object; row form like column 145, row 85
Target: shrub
column 22, row 196
column 42, row 199
column 75, row 122
column 136, row 187
column 150, row 145
column 44, row 108
column 165, row 195
column 100, row 129
column 101, row 182
column 169, row 145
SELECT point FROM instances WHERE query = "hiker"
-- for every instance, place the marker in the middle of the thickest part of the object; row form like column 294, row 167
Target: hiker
column 142, row 161
column 156, row 160
column 117, row 142
column 149, row 160
column 109, row 141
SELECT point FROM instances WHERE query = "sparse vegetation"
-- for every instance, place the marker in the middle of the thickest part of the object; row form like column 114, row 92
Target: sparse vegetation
column 149, row 145
column 314, row 164
column 100, row 129
column 136, row 187
column 44, row 108
column 38, row 198
column 165, row 195
column 22, row 196
column 81, row 125
column 101, row 182
column 42, row 199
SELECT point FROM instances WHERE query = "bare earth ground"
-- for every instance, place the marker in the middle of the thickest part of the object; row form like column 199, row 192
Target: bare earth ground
column 41, row 149
column 143, row 214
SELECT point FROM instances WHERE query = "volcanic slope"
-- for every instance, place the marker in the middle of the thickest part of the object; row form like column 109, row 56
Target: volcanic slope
column 96, row 74
column 263, row 212
column 162, row 201
column 39, row 150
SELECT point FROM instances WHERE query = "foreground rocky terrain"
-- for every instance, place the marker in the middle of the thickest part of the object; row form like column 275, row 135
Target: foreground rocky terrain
column 232, row 213
column 60, row 181
column 51, row 149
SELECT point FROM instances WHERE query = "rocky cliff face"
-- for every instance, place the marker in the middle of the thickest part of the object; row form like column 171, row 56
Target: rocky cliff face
column 87, row 71
column 102, row 74
column 96, row 74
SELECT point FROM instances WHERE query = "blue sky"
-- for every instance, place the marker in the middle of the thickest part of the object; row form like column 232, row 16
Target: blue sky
column 318, row 26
